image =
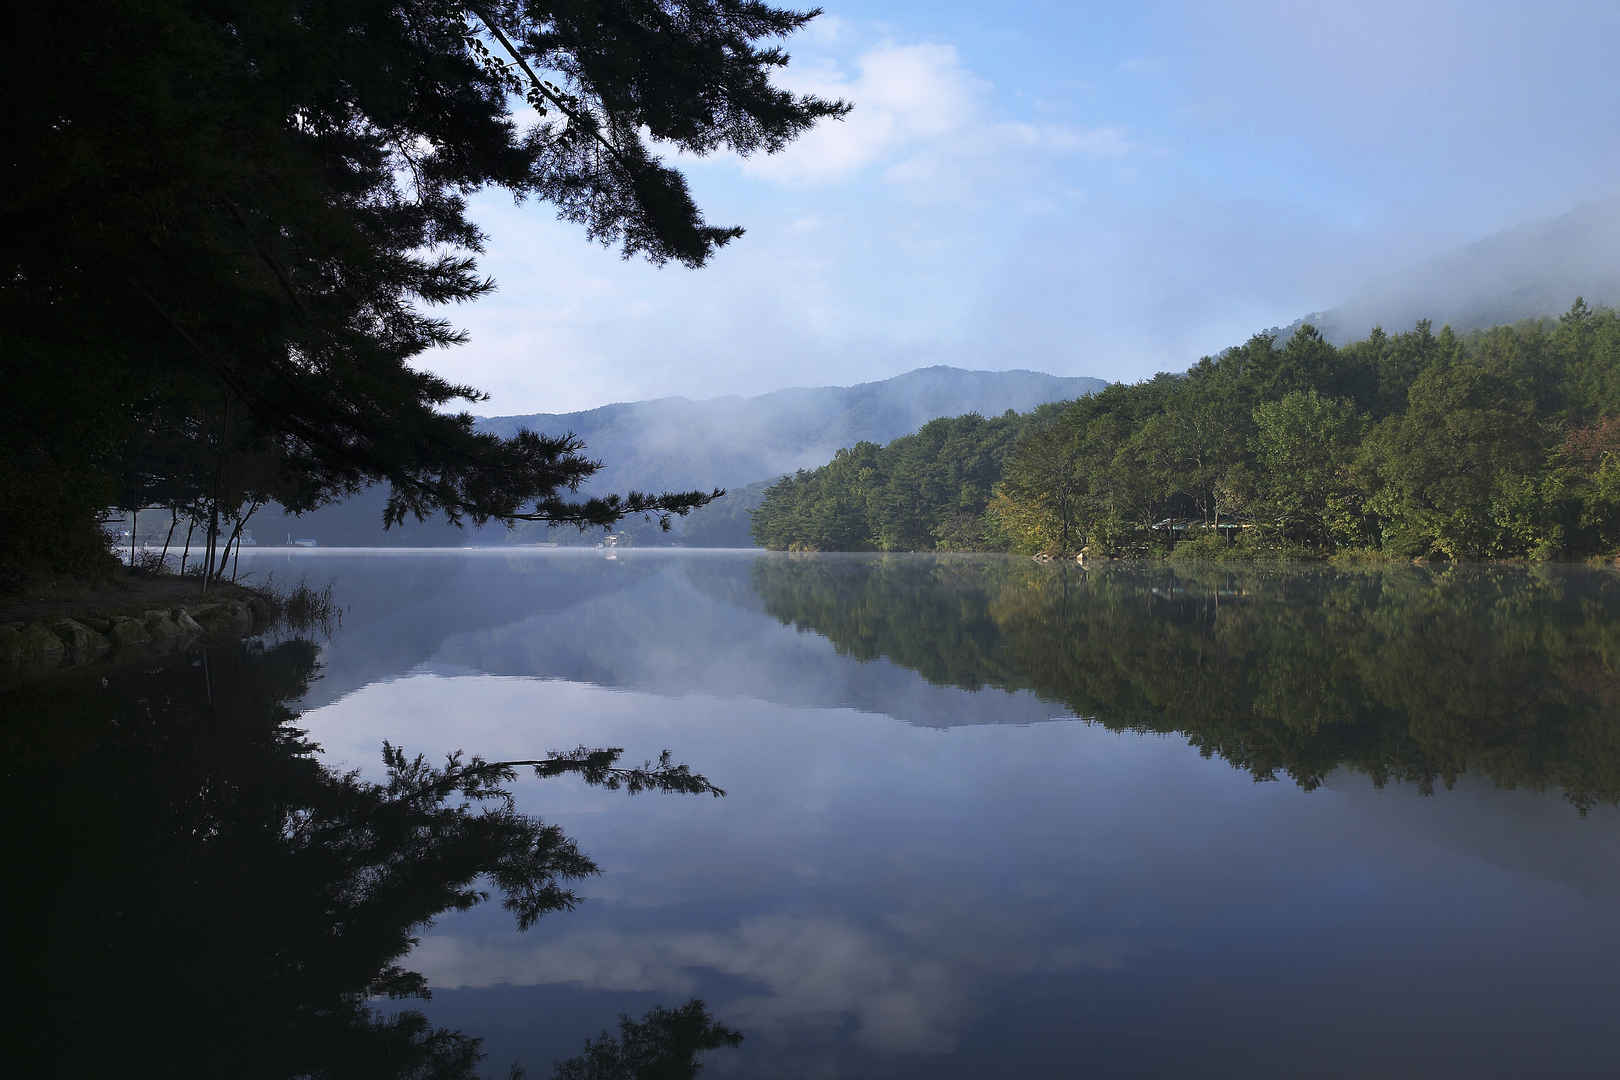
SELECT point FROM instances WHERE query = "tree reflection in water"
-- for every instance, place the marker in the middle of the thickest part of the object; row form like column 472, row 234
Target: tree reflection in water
column 1405, row 674
column 210, row 899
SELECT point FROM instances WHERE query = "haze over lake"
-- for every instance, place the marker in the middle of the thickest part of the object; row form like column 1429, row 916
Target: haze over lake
column 986, row 817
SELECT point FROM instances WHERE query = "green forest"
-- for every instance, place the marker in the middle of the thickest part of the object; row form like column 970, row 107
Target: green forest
column 1500, row 443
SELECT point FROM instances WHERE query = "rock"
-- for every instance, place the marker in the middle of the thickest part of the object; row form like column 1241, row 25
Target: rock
column 160, row 626
column 127, row 632
column 39, row 649
column 186, row 624
column 224, row 617
column 83, row 644
column 99, row 623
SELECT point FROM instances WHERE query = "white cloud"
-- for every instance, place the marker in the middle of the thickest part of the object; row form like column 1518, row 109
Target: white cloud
column 925, row 124
column 900, row 989
column 903, row 94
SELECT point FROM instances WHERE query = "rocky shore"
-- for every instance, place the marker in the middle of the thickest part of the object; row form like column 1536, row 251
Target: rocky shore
column 38, row 647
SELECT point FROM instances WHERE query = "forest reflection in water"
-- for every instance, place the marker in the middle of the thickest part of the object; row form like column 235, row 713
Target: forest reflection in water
column 1405, row 674
column 209, row 897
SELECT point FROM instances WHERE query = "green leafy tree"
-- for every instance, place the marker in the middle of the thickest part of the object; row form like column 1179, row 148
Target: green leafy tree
column 919, row 492
column 1466, row 432
column 1305, row 447
column 1043, row 491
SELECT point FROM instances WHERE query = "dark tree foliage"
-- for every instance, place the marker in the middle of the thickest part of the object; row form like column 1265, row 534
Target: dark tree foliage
column 1408, row 674
column 229, row 223
column 205, row 897
column 1497, row 444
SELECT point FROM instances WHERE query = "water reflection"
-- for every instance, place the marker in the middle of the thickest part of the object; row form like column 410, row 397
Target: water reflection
column 914, row 872
column 1405, row 674
column 212, row 898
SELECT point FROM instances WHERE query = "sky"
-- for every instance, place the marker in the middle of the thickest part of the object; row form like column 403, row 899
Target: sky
column 1083, row 189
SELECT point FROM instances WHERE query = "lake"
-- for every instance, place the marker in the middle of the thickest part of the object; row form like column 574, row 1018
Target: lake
column 982, row 817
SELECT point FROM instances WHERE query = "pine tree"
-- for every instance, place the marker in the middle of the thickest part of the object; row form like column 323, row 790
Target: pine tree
column 260, row 203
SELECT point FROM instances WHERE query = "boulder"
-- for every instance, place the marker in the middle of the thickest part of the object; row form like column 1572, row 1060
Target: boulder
column 186, row 624
column 161, row 627
column 224, row 617
column 83, row 644
column 39, row 649
column 127, row 632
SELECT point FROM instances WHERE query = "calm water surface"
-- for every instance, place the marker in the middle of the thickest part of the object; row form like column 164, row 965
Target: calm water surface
column 988, row 818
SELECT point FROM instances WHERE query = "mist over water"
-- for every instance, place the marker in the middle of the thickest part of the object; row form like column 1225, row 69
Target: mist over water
column 985, row 817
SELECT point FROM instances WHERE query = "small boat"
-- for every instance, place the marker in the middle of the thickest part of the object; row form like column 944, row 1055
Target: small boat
column 299, row 543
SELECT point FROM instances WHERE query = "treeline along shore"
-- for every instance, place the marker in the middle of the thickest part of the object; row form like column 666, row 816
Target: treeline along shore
column 1500, row 443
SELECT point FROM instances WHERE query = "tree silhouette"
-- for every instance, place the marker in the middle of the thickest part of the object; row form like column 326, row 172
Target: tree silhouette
column 241, row 215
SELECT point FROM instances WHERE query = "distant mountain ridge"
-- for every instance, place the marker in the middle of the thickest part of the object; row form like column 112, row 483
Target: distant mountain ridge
column 1532, row 270
column 732, row 442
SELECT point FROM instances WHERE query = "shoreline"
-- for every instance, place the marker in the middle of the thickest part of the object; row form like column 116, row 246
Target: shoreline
column 73, row 625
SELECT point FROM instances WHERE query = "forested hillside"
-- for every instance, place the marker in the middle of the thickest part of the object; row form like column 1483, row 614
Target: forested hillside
column 920, row 492
column 1499, row 443
column 736, row 443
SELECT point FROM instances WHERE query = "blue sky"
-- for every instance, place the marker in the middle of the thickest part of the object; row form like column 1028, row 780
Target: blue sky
column 1107, row 190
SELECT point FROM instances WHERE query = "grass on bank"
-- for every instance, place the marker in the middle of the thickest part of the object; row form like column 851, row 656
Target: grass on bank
column 152, row 584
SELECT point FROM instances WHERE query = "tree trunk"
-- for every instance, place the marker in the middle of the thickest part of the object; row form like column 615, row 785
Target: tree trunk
column 213, row 544
column 225, row 556
column 191, row 523
column 174, row 519
column 219, row 488
column 134, row 516
column 236, row 563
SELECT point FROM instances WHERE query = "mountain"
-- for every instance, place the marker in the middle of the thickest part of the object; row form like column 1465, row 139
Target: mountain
column 675, row 443
column 1532, row 270
column 738, row 443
